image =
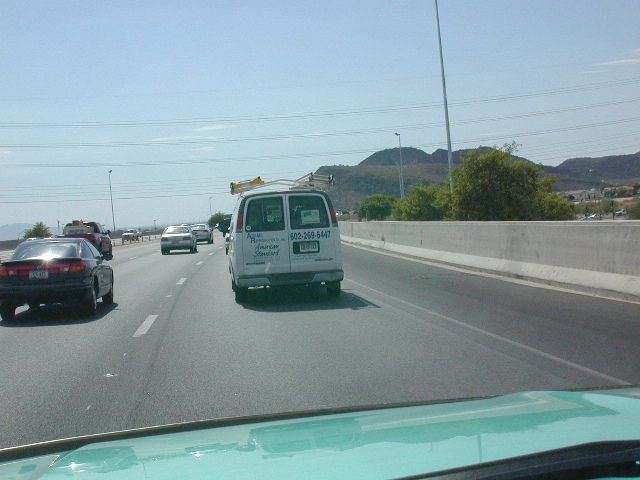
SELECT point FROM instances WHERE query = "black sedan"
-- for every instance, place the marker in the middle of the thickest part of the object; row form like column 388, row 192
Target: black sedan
column 55, row 270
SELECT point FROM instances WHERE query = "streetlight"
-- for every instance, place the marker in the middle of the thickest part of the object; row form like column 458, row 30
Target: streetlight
column 401, row 173
column 210, row 212
column 446, row 108
column 113, row 217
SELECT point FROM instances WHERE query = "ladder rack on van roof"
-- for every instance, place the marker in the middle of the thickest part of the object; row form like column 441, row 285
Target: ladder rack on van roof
column 310, row 181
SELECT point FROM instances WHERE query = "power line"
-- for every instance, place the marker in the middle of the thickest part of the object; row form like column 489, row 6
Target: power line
column 320, row 114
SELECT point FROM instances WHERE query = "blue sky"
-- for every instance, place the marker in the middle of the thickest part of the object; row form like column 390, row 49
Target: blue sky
column 180, row 98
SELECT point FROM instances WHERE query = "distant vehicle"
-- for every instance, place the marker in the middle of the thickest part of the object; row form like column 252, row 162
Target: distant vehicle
column 131, row 235
column 55, row 270
column 203, row 232
column 178, row 237
column 285, row 237
column 622, row 212
column 593, row 216
column 224, row 224
column 96, row 233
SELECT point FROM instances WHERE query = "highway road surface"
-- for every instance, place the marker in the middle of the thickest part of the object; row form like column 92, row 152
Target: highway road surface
column 176, row 347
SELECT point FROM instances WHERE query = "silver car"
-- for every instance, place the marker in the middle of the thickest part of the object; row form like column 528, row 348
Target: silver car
column 203, row 232
column 178, row 237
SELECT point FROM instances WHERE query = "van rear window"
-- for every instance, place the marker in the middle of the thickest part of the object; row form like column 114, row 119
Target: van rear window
column 265, row 215
column 308, row 211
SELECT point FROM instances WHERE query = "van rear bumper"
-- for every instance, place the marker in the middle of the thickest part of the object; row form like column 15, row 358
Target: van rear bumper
column 299, row 278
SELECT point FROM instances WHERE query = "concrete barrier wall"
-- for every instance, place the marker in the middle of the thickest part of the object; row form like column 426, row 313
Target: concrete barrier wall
column 592, row 255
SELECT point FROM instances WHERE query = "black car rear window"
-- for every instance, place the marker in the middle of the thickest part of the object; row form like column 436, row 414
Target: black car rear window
column 45, row 250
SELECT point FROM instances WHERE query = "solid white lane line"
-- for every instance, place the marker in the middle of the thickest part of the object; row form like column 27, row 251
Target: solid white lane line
column 181, row 281
column 146, row 325
column 508, row 341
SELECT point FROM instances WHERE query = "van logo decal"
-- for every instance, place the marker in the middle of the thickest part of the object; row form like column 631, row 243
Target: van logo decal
column 254, row 237
column 263, row 250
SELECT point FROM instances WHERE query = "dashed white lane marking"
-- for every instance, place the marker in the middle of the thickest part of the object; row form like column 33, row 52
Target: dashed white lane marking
column 181, row 281
column 146, row 325
column 199, row 263
column 211, row 254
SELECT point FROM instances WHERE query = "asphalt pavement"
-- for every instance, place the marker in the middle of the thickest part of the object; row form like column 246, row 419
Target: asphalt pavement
column 176, row 347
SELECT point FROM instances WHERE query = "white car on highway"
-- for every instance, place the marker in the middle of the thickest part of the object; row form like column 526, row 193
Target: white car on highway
column 202, row 232
column 178, row 237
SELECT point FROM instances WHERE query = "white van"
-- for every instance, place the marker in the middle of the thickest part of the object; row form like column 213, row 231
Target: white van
column 287, row 237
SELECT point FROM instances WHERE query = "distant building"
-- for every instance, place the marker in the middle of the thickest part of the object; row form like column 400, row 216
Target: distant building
column 583, row 196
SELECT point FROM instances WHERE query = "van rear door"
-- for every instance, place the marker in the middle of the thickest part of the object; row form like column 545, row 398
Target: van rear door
column 313, row 238
column 264, row 239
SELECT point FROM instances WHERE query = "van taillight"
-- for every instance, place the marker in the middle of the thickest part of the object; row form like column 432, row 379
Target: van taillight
column 240, row 222
column 334, row 218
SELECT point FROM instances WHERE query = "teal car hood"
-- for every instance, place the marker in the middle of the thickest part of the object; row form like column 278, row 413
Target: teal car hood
column 379, row 443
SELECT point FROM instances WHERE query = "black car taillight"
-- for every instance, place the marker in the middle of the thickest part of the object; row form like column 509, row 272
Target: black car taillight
column 68, row 267
column 53, row 267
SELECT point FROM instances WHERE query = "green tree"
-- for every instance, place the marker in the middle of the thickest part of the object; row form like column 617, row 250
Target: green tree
column 587, row 208
column 215, row 219
column 38, row 230
column 377, row 206
column 490, row 185
column 636, row 188
column 422, row 203
column 633, row 210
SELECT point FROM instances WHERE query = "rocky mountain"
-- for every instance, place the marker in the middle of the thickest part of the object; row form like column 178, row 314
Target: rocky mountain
column 380, row 173
column 578, row 173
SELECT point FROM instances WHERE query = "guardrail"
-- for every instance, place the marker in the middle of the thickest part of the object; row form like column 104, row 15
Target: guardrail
column 595, row 257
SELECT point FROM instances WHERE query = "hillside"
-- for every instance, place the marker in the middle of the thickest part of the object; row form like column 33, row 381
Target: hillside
column 579, row 173
column 379, row 173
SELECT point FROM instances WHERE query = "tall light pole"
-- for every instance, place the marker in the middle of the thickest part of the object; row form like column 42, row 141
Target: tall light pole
column 113, row 217
column 401, row 172
column 210, row 212
column 446, row 107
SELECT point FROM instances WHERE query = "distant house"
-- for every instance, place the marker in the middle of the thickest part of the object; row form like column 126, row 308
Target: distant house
column 584, row 196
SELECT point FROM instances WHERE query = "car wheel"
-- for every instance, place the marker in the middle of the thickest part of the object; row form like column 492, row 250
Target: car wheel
column 8, row 311
column 163, row 251
column 90, row 302
column 211, row 239
column 241, row 294
column 108, row 298
column 333, row 289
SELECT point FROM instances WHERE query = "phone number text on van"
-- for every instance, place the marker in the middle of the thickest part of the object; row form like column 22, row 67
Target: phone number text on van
column 310, row 235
